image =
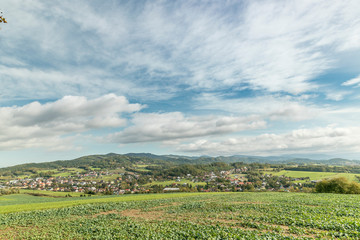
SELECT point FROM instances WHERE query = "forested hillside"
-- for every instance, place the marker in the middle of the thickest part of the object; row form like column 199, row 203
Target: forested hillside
column 113, row 160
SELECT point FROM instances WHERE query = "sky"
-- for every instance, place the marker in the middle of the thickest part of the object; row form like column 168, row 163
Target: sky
column 259, row 77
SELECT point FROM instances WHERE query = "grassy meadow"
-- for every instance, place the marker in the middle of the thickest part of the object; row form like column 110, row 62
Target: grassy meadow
column 314, row 175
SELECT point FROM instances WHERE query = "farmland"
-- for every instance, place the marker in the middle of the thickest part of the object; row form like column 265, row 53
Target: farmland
column 24, row 202
column 114, row 174
column 123, row 197
column 313, row 175
column 261, row 215
column 169, row 183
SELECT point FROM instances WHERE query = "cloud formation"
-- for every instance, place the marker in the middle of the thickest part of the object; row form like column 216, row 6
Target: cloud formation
column 47, row 125
column 354, row 82
column 224, row 69
column 273, row 107
column 153, row 127
column 164, row 46
column 327, row 140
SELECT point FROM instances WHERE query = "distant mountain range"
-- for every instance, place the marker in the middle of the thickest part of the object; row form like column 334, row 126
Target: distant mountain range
column 127, row 160
column 249, row 159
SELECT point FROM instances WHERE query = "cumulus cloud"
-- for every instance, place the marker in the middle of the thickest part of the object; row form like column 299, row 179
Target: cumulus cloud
column 157, row 50
column 151, row 127
column 318, row 140
column 47, row 125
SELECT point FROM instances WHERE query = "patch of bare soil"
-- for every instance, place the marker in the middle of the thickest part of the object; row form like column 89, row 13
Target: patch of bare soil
column 162, row 215
column 164, row 206
column 153, row 214
column 13, row 232
column 135, row 213
column 285, row 229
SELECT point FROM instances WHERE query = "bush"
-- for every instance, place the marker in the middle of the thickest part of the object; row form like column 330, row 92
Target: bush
column 338, row 185
column 9, row 191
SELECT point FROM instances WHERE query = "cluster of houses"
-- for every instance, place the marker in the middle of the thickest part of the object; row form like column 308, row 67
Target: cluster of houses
column 65, row 184
column 91, row 183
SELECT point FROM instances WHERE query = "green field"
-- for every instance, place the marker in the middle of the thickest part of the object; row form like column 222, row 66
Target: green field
column 51, row 193
column 314, row 175
column 142, row 167
column 25, row 202
column 171, row 182
column 112, row 177
column 264, row 215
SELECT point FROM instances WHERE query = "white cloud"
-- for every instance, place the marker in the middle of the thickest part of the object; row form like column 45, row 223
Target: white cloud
column 336, row 95
column 354, row 81
column 263, row 45
column 27, row 83
column 152, row 127
column 271, row 107
column 33, row 83
column 46, row 125
column 157, row 49
column 318, row 140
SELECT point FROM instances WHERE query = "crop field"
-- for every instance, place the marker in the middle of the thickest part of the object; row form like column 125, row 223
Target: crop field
column 190, row 216
column 314, row 175
column 25, row 202
column 171, row 182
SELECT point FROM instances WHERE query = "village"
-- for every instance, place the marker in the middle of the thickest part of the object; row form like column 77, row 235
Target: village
column 110, row 183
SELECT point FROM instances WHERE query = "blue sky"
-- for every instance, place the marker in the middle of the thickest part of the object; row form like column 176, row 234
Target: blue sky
column 181, row 77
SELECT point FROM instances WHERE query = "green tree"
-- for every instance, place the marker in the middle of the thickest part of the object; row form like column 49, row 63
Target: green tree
column 338, row 185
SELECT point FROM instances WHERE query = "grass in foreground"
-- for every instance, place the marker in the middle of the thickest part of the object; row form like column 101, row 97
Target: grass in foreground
column 194, row 216
column 25, row 202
